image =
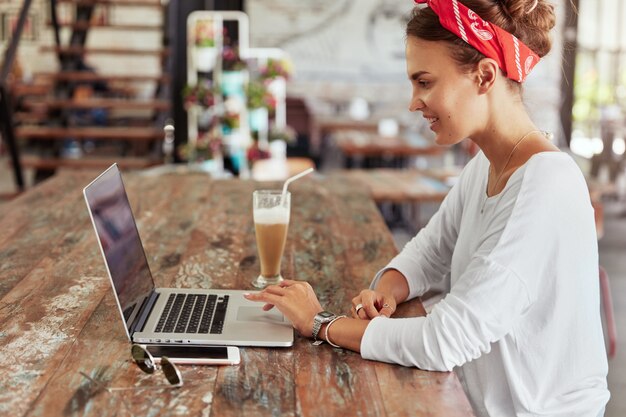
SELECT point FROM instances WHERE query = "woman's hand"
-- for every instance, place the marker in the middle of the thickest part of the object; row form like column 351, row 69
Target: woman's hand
column 295, row 299
column 392, row 288
column 372, row 304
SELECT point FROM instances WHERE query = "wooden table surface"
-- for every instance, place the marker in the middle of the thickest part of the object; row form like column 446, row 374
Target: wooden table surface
column 58, row 316
column 400, row 185
column 361, row 143
column 332, row 124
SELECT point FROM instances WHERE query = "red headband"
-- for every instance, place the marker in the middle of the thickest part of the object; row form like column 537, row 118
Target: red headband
column 489, row 39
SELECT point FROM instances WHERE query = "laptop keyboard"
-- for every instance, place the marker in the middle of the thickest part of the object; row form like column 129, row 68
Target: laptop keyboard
column 193, row 313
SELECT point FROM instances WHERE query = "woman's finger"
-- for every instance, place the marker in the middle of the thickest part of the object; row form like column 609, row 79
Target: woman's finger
column 268, row 307
column 387, row 309
column 275, row 289
column 264, row 296
column 361, row 302
column 368, row 312
column 356, row 302
column 356, row 309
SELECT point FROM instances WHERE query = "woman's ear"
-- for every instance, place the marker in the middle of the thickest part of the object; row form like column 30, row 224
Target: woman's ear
column 486, row 73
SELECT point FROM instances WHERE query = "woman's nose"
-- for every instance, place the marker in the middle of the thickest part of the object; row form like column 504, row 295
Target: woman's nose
column 416, row 104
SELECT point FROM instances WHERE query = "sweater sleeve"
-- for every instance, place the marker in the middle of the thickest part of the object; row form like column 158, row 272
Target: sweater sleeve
column 482, row 307
column 426, row 259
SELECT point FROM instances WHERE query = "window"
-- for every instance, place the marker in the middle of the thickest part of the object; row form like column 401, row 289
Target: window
column 600, row 79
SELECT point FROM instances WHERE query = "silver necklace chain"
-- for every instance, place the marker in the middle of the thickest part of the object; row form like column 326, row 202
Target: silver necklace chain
column 508, row 159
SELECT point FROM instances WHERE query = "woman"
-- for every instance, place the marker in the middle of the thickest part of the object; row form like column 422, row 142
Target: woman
column 515, row 236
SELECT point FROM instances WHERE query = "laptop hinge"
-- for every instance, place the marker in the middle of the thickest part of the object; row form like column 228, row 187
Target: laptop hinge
column 141, row 318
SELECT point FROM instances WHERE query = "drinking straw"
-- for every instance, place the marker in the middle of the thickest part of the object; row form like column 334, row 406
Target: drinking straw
column 292, row 179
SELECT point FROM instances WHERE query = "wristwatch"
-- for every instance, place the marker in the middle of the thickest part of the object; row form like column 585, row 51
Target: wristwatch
column 321, row 318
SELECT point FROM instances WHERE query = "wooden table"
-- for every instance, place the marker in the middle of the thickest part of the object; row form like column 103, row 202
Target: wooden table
column 400, row 193
column 369, row 145
column 400, row 185
column 58, row 316
column 331, row 124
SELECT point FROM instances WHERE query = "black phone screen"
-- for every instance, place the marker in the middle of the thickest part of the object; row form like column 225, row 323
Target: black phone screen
column 189, row 352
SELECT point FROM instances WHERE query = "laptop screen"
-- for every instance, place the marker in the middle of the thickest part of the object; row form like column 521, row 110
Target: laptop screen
column 120, row 243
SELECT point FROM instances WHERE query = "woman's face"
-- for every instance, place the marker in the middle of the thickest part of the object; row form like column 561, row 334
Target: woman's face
column 447, row 96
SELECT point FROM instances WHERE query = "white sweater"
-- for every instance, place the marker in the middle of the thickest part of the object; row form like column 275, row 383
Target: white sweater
column 521, row 324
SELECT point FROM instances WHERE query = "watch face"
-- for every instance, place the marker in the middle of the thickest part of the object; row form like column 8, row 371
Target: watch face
column 326, row 314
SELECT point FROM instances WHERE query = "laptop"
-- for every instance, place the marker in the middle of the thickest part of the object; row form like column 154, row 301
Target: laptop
column 170, row 315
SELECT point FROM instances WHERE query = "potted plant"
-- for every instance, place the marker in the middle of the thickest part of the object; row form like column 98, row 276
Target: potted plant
column 199, row 101
column 233, row 72
column 278, row 139
column 254, row 153
column 276, row 73
column 276, row 68
column 260, row 104
column 230, row 122
column 204, row 40
column 207, row 146
column 286, row 133
column 201, row 94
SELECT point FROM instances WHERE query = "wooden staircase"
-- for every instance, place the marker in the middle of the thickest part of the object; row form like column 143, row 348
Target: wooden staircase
column 81, row 117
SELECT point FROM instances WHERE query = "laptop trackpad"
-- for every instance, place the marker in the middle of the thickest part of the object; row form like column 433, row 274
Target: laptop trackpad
column 257, row 314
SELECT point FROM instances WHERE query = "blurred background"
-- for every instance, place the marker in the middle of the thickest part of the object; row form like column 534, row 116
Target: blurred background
column 259, row 89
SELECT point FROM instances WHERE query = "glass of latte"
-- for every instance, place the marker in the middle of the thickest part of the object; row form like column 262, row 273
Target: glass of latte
column 271, row 221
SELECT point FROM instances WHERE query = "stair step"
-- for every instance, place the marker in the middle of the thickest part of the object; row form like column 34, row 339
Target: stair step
column 20, row 89
column 38, row 162
column 131, row 3
column 98, row 103
column 79, row 50
column 36, row 91
column 34, row 118
column 108, row 26
column 27, row 117
column 113, row 133
column 92, row 76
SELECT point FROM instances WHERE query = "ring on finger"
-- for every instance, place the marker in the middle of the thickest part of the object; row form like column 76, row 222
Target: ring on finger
column 358, row 307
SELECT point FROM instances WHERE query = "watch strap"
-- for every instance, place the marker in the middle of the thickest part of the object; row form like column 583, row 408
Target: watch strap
column 318, row 320
column 317, row 325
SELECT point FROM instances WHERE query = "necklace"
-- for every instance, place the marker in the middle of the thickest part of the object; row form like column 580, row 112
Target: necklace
column 506, row 164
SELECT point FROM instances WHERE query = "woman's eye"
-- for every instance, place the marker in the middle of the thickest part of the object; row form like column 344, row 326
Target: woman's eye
column 423, row 84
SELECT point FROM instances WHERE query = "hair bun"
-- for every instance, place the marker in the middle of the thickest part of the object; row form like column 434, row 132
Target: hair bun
column 533, row 7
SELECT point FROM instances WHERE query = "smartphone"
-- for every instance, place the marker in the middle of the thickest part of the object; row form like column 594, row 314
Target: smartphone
column 196, row 354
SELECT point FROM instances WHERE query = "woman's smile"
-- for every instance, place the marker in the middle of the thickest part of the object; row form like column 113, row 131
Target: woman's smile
column 431, row 120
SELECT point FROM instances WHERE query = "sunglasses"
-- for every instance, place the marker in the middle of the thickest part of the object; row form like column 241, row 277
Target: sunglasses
column 147, row 364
